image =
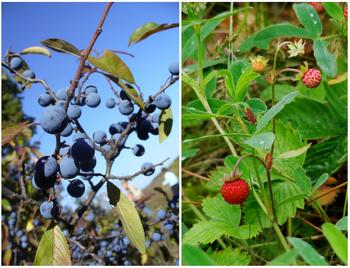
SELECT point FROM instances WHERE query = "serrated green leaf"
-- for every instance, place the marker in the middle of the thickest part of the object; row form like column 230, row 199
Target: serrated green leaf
column 326, row 60
column 165, row 124
column 62, row 46
column 53, row 249
column 148, row 29
column 337, row 240
column 131, row 222
column 309, row 18
column 230, row 257
column 206, row 232
column 110, row 62
column 307, row 252
column 261, row 141
column 274, row 110
column 303, row 181
column 194, row 255
column 217, row 208
column 36, row 50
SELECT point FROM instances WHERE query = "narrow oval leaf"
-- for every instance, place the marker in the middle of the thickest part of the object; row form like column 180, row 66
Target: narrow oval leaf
column 342, row 224
column 309, row 18
column 294, row 153
column 307, row 252
column 148, row 29
column 326, row 60
column 194, row 255
column 337, row 240
column 131, row 222
column 321, row 180
column 60, row 45
column 36, row 50
column 165, row 124
column 274, row 110
column 333, row 10
column 53, row 249
column 241, row 89
column 109, row 62
column 113, row 193
column 287, row 258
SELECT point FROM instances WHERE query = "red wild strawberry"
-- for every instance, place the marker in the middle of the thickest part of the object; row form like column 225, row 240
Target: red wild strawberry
column 317, row 6
column 346, row 11
column 235, row 191
column 312, row 78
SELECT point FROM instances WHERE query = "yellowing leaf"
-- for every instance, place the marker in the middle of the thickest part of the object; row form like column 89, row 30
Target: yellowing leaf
column 53, row 249
column 62, row 46
column 131, row 222
column 29, row 226
column 165, row 124
column 36, row 50
column 109, row 62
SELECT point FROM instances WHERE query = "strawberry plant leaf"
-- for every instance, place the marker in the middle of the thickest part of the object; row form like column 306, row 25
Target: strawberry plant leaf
column 342, row 224
column 285, row 259
column 309, row 18
column 241, row 89
column 302, row 180
column 261, row 141
column 263, row 38
column 337, row 240
column 321, row 180
column 274, row 110
column 206, row 232
column 230, row 257
column 218, row 209
column 257, row 105
column 53, row 249
column 333, row 10
column 194, row 255
column 325, row 59
column 307, row 252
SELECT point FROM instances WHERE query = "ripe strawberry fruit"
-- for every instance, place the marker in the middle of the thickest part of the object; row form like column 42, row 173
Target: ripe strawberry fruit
column 312, row 78
column 346, row 11
column 235, row 191
column 317, row 6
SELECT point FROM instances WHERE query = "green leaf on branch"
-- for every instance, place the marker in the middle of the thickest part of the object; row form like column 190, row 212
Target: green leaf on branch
column 307, row 252
column 131, row 222
column 113, row 193
column 337, row 240
column 53, row 249
column 36, row 50
column 165, row 124
column 309, row 18
column 274, row 110
column 326, row 60
column 62, row 46
column 110, row 62
column 148, row 29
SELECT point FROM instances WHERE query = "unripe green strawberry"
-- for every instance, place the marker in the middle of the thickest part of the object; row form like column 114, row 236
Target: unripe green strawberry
column 235, row 191
column 311, row 78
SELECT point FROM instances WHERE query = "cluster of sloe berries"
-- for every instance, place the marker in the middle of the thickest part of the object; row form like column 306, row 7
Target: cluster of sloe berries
column 60, row 118
column 16, row 63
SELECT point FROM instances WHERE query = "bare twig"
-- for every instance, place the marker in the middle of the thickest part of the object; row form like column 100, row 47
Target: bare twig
column 130, row 177
column 94, row 256
column 85, row 56
column 195, row 175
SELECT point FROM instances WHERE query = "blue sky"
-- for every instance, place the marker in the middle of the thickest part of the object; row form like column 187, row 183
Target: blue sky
column 26, row 24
